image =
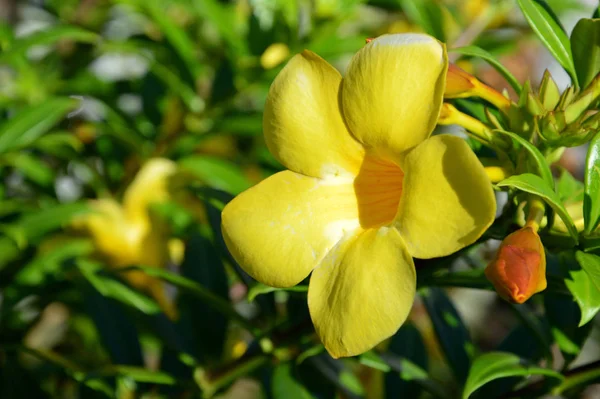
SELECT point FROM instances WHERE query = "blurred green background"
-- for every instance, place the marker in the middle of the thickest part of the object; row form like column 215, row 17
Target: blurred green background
column 115, row 282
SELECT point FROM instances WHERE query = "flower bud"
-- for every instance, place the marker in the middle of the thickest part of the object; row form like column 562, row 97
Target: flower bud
column 274, row 55
column 460, row 84
column 519, row 270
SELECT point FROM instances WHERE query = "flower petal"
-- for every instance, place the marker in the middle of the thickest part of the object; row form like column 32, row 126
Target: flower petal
column 393, row 91
column 447, row 200
column 280, row 229
column 302, row 122
column 362, row 291
column 150, row 185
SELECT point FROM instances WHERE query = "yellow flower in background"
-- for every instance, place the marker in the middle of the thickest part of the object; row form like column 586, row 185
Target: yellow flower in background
column 366, row 189
column 128, row 234
column 274, row 55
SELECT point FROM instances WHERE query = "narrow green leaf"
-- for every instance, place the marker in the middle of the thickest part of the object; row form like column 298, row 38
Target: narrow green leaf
column 564, row 316
column 32, row 122
column 584, row 284
column 540, row 161
column 196, row 289
column 217, row 14
column 177, row 37
column 550, row 33
column 111, row 288
column 427, row 14
column 34, row 225
column 452, row 334
column 474, row 51
column 139, row 374
column 591, row 189
column 494, row 365
column 533, row 184
column 202, row 264
column 261, row 289
column 585, row 44
column 285, row 386
column 48, row 37
column 216, row 172
column 407, row 343
column 32, row 167
column 569, row 189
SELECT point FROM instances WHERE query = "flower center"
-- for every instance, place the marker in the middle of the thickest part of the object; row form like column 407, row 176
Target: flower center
column 378, row 188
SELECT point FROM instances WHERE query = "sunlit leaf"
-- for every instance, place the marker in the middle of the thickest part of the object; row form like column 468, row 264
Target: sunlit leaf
column 550, row 32
column 585, row 44
column 494, row 365
column 591, row 196
column 533, row 184
column 30, row 123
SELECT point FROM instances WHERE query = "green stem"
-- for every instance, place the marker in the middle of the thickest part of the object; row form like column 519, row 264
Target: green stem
column 578, row 376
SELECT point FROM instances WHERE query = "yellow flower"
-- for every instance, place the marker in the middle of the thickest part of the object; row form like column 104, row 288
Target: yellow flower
column 127, row 234
column 366, row 189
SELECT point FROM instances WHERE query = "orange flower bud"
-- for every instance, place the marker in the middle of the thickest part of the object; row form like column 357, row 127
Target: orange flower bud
column 459, row 84
column 519, row 270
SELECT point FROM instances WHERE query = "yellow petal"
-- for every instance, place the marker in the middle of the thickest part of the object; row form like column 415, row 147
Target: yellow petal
column 302, row 121
column 447, row 200
column 150, row 185
column 362, row 292
column 115, row 239
column 280, row 229
column 393, row 91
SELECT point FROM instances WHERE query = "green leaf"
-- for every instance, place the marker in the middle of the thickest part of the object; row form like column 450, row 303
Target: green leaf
column 409, row 373
column 427, row 14
column 535, row 185
column 177, row 37
column 569, row 189
column 564, row 315
column 37, row 224
column 450, row 331
column 139, row 374
column 111, row 288
column 494, row 365
column 591, row 190
column 32, row 167
column 261, row 289
column 285, row 386
column 219, row 16
column 539, row 160
column 202, row 264
column 60, row 144
column 216, row 172
column 474, row 51
column 548, row 29
column 51, row 262
column 114, row 325
column 187, row 285
column 30, row 123
column 47, row 37
column 584, row 284
column 585, row 44
column 408, row 344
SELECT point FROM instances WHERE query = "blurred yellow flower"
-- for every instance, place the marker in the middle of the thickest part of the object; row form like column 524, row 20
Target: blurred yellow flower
column 128, row 234
column 274, row 55
column 366, row 189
